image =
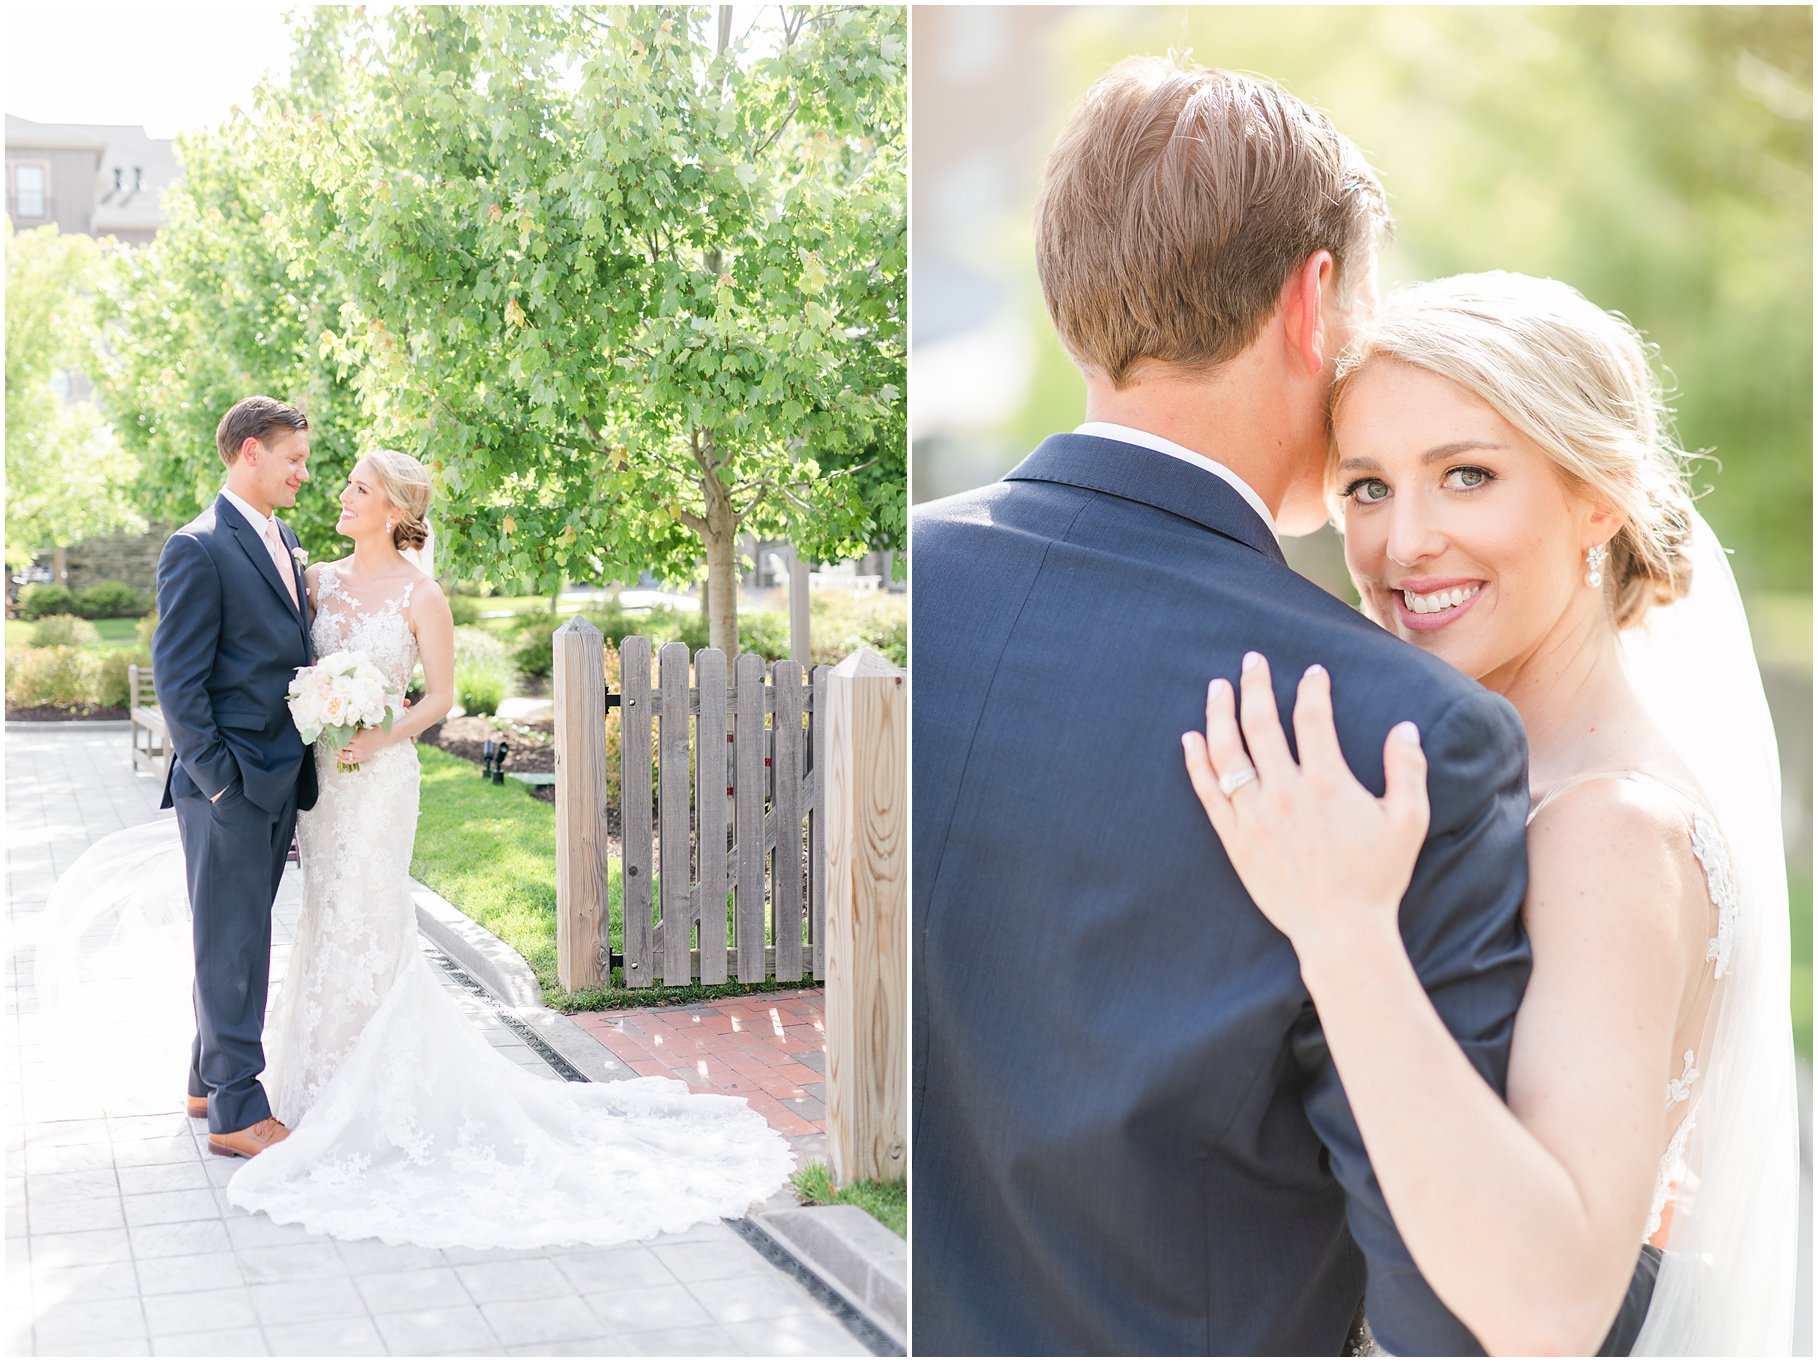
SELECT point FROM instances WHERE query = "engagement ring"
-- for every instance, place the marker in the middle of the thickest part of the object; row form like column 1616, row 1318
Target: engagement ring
column 1228, row 785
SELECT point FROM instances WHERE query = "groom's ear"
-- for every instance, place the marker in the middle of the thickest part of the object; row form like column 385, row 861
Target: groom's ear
column 1303, row 309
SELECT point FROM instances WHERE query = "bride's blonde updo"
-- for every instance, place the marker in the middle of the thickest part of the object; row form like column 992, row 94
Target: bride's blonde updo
column 406, row 485
column 1573, row 379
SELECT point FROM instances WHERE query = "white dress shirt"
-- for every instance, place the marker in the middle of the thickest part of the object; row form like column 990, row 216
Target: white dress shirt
column 254, row 517
column 1130, row 435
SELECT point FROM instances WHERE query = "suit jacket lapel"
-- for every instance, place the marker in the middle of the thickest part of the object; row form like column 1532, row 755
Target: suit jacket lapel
column 1137, row 474
column 254, row 545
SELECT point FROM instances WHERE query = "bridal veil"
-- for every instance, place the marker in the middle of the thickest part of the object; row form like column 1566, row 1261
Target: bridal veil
column 1726, row 1283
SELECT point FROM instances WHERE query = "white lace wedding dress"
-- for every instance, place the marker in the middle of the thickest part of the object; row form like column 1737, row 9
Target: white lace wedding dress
column 405, row 1124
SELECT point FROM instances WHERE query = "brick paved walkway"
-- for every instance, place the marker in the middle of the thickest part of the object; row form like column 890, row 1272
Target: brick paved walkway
column 119, row 1240
column 769, row 1048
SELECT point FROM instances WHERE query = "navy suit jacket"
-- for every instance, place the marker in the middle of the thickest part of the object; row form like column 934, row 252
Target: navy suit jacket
column 227, row 644
column 1129, row 1133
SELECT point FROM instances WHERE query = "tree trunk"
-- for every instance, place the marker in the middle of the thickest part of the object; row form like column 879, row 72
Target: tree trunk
column 722, row 586
column 719, row 531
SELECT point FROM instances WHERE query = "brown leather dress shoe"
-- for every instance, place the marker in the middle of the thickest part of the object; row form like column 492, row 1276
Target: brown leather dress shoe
column 243, row 1144
column 196, row 1107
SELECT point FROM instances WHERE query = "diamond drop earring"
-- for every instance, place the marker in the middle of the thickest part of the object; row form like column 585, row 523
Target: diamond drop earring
column 388, row 527
column 1594, row 559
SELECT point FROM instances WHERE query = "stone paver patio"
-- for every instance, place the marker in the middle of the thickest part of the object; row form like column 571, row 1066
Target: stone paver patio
column 119, row 1240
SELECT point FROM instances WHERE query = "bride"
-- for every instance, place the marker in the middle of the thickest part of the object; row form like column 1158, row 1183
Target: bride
column 404, row 1123
column 1512, row 504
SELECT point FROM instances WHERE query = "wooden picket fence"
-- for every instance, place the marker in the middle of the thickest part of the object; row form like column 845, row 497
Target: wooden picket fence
column 798, row 787
column 752, row 831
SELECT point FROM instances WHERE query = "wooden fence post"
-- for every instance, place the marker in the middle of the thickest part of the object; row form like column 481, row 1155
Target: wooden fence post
column 866, row 712
column 580, row 761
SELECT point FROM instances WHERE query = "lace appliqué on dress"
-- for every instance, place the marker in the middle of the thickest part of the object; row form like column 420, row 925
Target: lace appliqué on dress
column 1680, row 1089
column 1714, row 855
column 1720, row 878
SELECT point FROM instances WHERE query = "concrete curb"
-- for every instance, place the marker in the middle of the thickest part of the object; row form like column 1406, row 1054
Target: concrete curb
column 501, row 971
column 861, row 1260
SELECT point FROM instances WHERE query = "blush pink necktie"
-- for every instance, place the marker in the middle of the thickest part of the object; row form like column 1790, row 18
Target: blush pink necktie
column 280, row 559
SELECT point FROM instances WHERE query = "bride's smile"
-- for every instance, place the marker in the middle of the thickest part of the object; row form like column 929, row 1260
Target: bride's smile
column 1424, row 604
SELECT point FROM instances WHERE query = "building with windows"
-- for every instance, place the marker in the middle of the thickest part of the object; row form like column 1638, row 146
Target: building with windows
column 99, row 179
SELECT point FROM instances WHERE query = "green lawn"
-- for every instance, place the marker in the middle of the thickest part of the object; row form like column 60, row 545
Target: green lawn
column 491, row 851
column 885, row 1202
column 114, row 633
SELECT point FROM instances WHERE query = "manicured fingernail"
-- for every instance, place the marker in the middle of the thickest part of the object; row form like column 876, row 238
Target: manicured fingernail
column 1217, row 689
column 1316, row 670
column 1252, row 661
column 1186, row 740
column 1405, row 731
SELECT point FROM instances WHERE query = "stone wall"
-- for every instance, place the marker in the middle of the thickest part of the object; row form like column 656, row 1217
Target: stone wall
column 132, row 559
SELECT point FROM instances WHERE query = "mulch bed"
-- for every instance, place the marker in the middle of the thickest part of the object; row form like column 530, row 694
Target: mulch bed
column 530, row 747
column 33, row 714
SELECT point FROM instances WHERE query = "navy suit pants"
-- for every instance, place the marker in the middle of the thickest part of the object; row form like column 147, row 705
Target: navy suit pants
column 234, row 852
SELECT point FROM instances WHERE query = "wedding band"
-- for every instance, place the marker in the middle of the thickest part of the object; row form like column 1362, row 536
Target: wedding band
column 1229, row 785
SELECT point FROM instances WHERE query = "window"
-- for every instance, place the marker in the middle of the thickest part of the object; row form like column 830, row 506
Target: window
column 29, row 198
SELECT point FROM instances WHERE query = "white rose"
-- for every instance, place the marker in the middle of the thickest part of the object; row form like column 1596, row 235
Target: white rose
column 369, row 699
column 335, row 710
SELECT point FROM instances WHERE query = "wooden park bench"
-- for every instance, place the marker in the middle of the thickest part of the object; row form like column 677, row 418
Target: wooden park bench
column 150, row 735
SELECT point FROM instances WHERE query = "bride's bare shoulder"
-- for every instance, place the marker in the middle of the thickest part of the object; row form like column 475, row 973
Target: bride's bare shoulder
column 1611, row 857
column 425, row 590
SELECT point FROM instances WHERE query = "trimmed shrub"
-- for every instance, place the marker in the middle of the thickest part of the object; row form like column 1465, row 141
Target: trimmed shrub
column 482, row 670
column 56, row 676
column 843, row 624
column 112, row 690
column 766, row 633
column 45, row 598
column 64, row 631
column 111, row 601
column 534, row 655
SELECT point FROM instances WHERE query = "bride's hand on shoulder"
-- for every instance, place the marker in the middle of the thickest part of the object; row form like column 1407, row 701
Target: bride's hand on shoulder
column 1318, row 852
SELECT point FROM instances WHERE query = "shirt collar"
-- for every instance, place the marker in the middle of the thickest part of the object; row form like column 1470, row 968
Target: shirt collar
column 253, row 517
column 1130, row 435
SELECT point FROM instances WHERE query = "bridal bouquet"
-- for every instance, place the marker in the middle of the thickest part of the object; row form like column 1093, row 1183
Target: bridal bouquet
column 339, row 696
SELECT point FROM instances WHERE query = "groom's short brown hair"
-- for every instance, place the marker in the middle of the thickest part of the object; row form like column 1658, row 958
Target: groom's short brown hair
column 254, row 418
column 1177, row 202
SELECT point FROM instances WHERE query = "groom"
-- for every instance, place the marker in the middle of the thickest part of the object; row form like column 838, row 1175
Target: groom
column 233, row 624
column 1130, row 1136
